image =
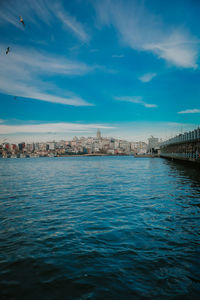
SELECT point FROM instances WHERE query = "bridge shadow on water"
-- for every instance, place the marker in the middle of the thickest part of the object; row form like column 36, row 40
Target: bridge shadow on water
column 185, row 168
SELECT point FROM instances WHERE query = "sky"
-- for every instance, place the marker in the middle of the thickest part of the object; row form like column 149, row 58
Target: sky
column 128, row 68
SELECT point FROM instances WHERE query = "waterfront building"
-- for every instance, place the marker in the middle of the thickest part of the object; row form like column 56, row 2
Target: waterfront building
column 36, row 146
column 97, row 144
column 116, row 144
column 13, row 147
column 21, row 146
column 51, row 146
column 30, row 147
column 153, row 144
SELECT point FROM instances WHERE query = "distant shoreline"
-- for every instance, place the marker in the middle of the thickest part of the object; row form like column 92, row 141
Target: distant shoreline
column 71, row 155
column 94, row 154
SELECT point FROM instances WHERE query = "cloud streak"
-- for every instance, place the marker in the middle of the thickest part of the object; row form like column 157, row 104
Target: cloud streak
column 41, row 11
column 71, row 24
column 117, row 55
column 38, row 61
column 147, row 77
column 22, row 69
column 136, row 100
column 190, row 111
column 50, row 127
column 143, row 31
column 133, row 131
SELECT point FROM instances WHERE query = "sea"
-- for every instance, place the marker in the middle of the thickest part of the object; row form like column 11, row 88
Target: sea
column 99, row 228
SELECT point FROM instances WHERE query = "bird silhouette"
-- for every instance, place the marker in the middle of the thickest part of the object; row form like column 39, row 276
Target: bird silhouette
column 21, row 20
column 7, row 50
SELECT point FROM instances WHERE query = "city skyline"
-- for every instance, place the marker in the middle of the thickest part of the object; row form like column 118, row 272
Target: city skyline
column 134, row 133
column 129, row 68
column 97, row 145
column 97, row 136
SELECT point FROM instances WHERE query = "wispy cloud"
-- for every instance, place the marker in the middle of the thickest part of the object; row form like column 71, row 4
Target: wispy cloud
column 33, row 12
column 51, row 127
column 178, row 48
column 190, row 111
column 22, row 69
column 143, row 31
column 70, row 23
column 132, row 131
column 117, row 55
column 147, row 77
column 41, row 11
column 38, row 61
column 136, row 100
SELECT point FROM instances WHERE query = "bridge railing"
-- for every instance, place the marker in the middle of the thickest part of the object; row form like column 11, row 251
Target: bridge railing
column 182, row 138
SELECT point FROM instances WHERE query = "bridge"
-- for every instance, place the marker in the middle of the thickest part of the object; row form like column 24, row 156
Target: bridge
column 183, row 146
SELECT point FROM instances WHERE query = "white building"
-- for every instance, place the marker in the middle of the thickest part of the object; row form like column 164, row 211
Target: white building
column 52, row 146
column 153, row 144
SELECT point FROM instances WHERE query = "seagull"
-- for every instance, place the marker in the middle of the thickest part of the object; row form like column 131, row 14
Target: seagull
column 21, row 20
column 7, row 50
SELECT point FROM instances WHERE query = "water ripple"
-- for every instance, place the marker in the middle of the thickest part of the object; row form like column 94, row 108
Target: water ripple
column 99, row 228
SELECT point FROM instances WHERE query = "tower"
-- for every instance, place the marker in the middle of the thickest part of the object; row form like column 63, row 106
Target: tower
column 98, row 134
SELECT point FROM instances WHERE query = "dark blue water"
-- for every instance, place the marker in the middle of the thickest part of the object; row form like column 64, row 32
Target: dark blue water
column 99, row 228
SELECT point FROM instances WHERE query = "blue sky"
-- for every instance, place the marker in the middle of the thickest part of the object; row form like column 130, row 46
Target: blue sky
column 130, row 68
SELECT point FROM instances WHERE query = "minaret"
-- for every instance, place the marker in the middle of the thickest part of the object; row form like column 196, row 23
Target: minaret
column 98, row 134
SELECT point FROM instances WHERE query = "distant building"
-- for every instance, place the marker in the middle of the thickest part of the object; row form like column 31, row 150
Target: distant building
column 30, row 147
column 52, row 146
column 13, row 147
column 153, row 145
column 21, row 146
column 96, row 144
column 7, row 146
column 36, row 146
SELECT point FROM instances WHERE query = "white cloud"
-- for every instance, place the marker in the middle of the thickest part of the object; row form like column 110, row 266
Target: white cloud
column 117, row 55
column 190, row 111
column 132, row 131
column 147, row 77
column 174, row 124
column 144, row 31
column 179, row 49
column 32, row 12
column 136, row 100
column 50, row 127
column 21, row 71
column 38, row 11
column 22, row 58
column 70, row 23
column 142, row 130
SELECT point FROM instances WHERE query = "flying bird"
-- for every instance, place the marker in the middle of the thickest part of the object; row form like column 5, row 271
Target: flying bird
column 7, row 50
column 21, row 20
